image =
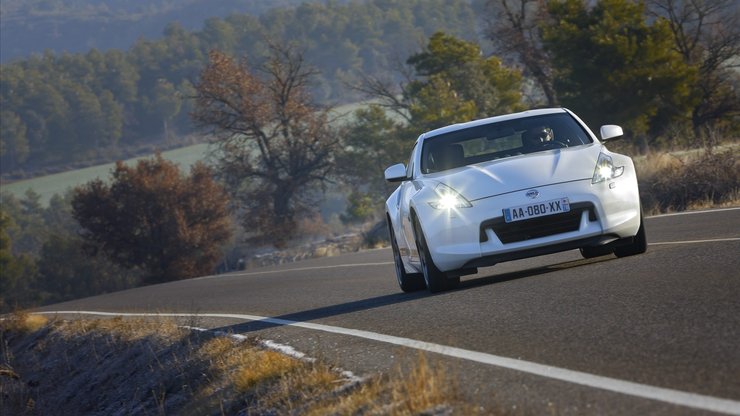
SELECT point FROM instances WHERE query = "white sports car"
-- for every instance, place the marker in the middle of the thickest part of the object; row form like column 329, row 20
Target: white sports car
column 506, row 188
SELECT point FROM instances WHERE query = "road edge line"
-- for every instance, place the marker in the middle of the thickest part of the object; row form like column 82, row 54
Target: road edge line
column 645, row 391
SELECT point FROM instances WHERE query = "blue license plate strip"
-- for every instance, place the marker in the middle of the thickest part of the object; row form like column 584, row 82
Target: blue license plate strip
column 539, row 209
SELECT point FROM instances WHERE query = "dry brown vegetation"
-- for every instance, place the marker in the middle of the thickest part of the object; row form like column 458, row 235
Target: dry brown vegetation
column 135, row 366
column 689, row 180
column 155, row 218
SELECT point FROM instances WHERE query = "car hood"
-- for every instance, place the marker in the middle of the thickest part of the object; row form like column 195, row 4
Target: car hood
column 501, row 176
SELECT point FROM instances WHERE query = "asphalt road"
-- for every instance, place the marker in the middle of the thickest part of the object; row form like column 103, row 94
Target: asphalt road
column 657, row 333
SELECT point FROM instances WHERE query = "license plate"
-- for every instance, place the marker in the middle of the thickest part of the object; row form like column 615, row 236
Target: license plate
column 540, row 209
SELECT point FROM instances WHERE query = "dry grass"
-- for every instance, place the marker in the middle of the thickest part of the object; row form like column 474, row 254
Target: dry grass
column 689, row 180
column 143, row 366
column 419, row 389
column 23, row 322
column 362, row 399
column 425, row 388
column 127, row 329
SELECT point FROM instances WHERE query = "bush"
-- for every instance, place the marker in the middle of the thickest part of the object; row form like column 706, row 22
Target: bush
column 154, row 218
column 670, row 183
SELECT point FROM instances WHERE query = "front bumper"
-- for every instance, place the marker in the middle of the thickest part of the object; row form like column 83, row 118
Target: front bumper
column 478, row 236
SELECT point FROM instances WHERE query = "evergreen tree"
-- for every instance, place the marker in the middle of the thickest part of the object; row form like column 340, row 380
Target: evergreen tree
column 17, row 271
column 614, row 66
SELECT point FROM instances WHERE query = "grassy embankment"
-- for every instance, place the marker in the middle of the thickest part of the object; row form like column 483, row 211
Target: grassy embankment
column 126, row 366
column 689, row 180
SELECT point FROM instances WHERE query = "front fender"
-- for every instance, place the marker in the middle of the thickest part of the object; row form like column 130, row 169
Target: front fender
column 446, row 231
column 392, row 210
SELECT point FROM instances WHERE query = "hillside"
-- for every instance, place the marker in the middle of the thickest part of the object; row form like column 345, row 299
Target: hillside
column 121, row 366
column 60, row 109
column 34, row 26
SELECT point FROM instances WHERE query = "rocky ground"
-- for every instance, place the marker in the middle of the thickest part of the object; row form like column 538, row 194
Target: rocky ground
column 375, row 237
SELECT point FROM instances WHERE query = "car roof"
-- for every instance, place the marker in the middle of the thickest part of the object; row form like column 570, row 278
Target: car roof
column 495, row 119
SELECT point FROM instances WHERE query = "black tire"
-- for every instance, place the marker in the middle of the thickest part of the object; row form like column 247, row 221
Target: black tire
column 597, row 251
column 638, row 245
column 409, row 282
column 435, row 279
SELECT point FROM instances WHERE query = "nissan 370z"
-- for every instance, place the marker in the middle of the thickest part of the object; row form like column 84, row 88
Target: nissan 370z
column 507, row 188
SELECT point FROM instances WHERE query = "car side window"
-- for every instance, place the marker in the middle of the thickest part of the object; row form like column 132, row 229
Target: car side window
column 410, row 166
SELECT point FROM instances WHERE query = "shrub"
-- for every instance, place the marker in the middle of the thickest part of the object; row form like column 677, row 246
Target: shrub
column 670, row 183
column 155, row 218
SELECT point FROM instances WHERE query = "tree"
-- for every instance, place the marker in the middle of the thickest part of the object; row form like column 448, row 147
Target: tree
column 88, row 128
column 372, row 142
column 112, row 120
column 436, row 103
column 13, row 141
column 27, row 216
column 514, row 27
column 166, row 104
column 154, row 218
column 707, row 35
column 65, row 271
column 613, row 66
column 73, row 105
column 17, row 271
column 274, row 143
column 449, row 82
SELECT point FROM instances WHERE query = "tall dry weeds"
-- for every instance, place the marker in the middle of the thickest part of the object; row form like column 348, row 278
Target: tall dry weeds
column 137, row 366
column 672, row 183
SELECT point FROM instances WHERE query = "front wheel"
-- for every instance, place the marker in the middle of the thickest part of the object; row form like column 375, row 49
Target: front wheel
column 436, row 280
column 409, row 282
column 638, row 244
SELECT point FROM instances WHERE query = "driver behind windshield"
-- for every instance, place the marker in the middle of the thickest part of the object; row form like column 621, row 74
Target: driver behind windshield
column 537, row 137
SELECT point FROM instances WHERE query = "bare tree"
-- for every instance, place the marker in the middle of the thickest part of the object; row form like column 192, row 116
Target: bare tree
column 389, row 94
column 513, row 26
column 707, row 35
column 273, row 142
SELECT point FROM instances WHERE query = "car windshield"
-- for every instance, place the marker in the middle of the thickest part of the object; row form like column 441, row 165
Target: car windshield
column 501, row 140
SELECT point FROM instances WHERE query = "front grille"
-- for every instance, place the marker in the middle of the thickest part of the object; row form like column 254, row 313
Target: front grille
column 537, row 227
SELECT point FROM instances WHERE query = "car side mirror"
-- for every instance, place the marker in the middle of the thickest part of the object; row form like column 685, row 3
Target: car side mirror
column 396, row 173
column 611, row 132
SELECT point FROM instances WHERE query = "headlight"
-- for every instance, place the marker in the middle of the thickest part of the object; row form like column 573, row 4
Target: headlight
column 447, row 198
column 605, row 169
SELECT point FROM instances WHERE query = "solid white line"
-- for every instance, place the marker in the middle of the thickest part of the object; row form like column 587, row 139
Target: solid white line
column 705, row 211
column 665, row 243
column 337, row 266
column 297, row 269
column 708, row 211
column 390, row 263
column 676, row 397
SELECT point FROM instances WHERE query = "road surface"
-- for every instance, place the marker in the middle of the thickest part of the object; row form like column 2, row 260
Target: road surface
column 657, row 333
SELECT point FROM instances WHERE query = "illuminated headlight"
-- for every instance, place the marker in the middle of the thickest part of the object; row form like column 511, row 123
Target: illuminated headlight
column 447, row 198
column 605, row 169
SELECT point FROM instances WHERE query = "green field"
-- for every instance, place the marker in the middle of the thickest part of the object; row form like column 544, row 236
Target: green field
column 59, row 183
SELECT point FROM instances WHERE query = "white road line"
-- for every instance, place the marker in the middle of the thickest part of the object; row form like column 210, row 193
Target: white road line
column 297, row 269
column 665, row 243
column 390, row 263
column 337, row 266
column 706, row 211
column 676, row 397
